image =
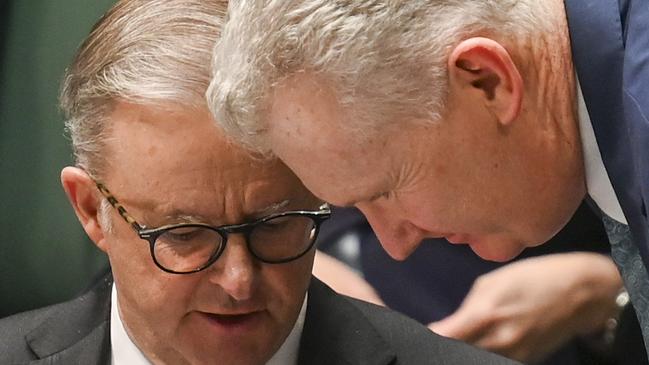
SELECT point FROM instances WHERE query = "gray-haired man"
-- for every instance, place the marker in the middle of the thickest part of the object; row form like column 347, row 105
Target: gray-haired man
column 455, row 119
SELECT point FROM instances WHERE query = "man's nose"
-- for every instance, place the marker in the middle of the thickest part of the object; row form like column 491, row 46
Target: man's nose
column 398, row 236
column 235, row 271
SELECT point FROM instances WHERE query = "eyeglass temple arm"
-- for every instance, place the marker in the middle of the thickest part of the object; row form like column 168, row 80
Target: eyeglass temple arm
column 120, row 209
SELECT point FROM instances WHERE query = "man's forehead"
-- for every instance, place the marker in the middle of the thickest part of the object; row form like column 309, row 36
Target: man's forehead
column 343, row 183
column 305, row 110
column 159, row 138
column 180, row 166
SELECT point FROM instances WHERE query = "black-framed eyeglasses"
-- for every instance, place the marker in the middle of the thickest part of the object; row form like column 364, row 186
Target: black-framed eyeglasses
column 187, row 248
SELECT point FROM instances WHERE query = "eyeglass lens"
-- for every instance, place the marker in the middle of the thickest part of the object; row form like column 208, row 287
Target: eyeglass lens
column 188, row 248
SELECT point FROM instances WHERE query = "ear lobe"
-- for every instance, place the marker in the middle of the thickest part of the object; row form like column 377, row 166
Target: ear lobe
column 485, row 68
column 80, row 190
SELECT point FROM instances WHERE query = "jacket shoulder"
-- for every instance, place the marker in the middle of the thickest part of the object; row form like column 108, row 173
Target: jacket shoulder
column 40, row 333
column 342, row 330
column 416, row 344
column 13, row 329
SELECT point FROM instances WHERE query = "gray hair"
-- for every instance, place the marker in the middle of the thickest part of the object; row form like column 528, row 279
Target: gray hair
column 384, row 60
column 104, row 215
column 140, row 51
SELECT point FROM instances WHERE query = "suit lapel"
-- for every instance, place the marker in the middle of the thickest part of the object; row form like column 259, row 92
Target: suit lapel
column 336, row 332
column 91, row 349
column 78, row 332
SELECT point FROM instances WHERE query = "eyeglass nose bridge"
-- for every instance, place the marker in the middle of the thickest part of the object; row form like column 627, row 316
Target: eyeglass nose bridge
column 244, row 229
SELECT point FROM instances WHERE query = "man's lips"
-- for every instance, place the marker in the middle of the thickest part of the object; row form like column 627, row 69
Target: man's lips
column 232, row 323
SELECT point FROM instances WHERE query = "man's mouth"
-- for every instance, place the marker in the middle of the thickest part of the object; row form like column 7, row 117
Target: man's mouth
column 233, row 322
column 231, row 319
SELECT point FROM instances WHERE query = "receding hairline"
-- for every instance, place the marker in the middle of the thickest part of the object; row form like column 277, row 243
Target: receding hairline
column 147, row 52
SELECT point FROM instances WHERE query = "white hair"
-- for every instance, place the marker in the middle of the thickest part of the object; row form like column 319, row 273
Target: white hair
column 384, row 60
column 141, row 51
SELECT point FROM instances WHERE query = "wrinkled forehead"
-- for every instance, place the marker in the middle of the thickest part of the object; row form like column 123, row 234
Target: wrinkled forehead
column 173, row 154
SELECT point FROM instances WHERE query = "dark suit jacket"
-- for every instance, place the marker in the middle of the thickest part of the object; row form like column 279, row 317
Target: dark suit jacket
column 338, row 330
column 610, row 47
column 432, row 282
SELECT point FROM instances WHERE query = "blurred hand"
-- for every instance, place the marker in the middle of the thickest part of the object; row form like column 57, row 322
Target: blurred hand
column 529, row 308
column 343, row 279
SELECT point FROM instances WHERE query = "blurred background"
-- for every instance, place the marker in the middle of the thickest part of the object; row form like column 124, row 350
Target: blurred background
column 45, row 256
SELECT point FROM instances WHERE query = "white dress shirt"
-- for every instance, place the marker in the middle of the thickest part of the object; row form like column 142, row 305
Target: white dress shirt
column 598, row 183
column 125, row 352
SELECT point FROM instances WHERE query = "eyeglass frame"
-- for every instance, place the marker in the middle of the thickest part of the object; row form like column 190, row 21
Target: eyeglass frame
column 151, row 234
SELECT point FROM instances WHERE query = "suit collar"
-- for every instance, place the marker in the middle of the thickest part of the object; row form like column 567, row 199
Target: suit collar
column 598, row 32
column 598, row 54
column 336, row 332
column 77, row 332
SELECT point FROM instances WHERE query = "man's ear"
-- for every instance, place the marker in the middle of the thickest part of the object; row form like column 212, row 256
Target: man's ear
column 484, row 66
column 81, row 192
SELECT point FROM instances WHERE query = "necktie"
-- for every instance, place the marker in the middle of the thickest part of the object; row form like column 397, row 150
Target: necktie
column 634, row 274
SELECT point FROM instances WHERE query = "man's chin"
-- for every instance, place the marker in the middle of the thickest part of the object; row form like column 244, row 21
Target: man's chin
column 496, row 251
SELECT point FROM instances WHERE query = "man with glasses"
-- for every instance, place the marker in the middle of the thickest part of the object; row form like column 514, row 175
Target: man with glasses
column 211, row 249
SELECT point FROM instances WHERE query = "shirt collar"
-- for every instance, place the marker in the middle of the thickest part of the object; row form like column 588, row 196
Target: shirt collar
column 288, row 353
column 598, row 183
column 124, row 351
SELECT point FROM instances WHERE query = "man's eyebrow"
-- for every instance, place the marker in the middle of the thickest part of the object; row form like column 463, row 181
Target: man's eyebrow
column 378, row 195
column 181, row 217
column 271, row 209
column 185, row 218
column 353, row 202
